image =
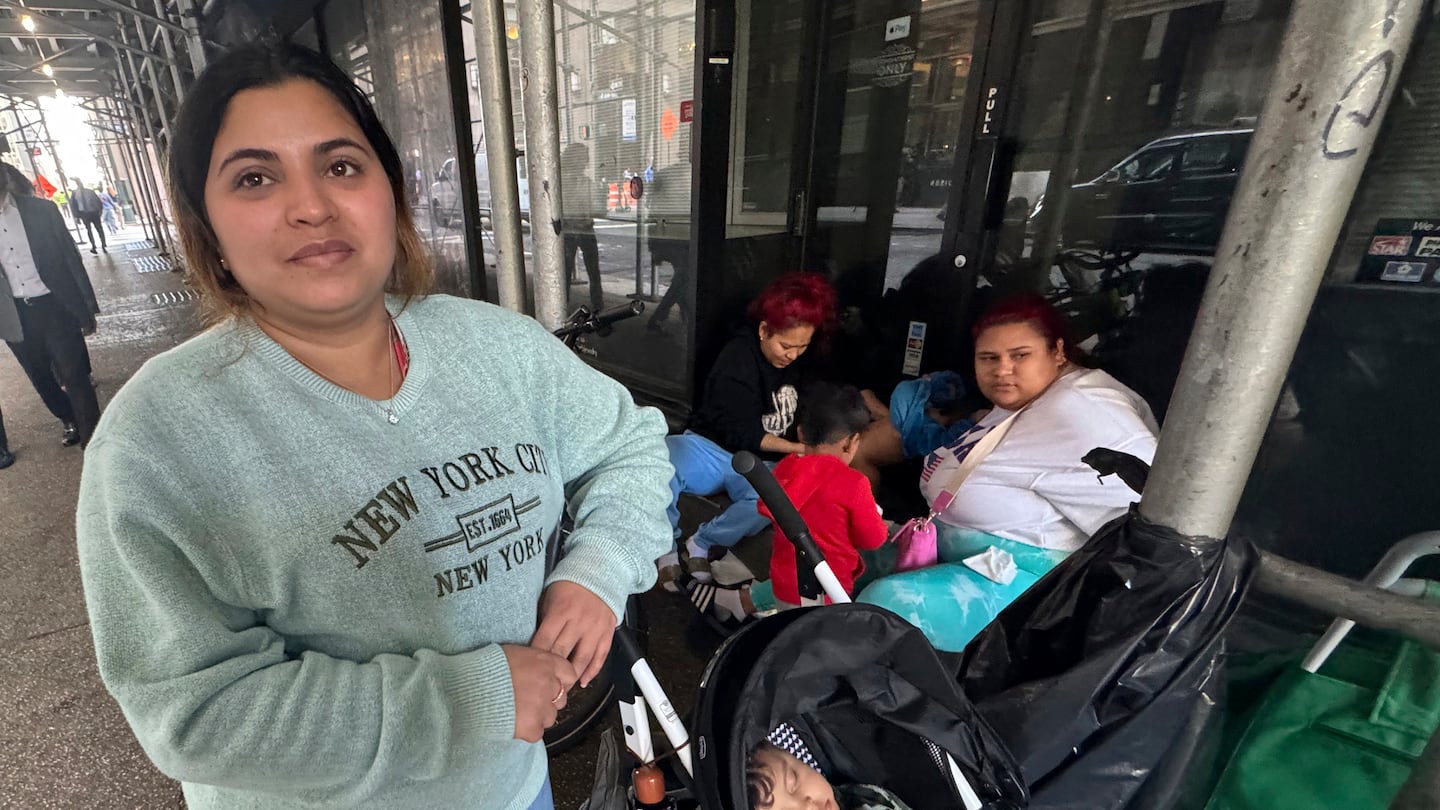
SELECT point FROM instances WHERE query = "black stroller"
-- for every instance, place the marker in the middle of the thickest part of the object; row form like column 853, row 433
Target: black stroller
column 865, row 687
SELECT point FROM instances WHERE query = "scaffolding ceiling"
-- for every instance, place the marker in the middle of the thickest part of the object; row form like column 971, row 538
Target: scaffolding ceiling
column 77, row 47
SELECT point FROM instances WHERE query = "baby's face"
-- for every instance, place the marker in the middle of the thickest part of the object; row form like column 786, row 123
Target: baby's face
column 797, row 785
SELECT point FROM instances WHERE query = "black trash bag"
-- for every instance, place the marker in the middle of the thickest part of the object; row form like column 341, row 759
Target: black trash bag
column 867, row 691
column 608, row 793
column 1105, row 679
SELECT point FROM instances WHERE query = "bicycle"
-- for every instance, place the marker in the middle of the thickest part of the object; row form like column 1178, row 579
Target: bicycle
column 1098, row 289
column 585, row 707
column 584, row 322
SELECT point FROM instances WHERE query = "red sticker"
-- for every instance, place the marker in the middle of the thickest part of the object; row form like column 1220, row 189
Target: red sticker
column 1390, row 246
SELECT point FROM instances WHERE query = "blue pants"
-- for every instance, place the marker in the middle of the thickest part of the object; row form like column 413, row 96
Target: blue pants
column 546, row 799
column 702, row 467
column 950, row 603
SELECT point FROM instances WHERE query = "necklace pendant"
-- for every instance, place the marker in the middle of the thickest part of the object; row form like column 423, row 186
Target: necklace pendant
column 391, row 417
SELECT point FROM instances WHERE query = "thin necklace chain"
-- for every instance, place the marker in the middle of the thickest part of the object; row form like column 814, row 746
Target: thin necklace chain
column 388, row 406
column 395, row 335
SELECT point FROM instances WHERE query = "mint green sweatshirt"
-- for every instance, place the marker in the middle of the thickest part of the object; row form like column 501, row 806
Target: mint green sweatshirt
column 297, row 603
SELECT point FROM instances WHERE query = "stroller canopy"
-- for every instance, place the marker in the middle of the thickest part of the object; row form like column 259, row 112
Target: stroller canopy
column 867, row 691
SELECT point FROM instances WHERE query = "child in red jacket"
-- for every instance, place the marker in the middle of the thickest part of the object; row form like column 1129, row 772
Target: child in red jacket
column 834, row 499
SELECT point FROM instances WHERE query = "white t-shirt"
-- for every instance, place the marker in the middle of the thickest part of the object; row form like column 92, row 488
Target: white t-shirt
column 1033, row 487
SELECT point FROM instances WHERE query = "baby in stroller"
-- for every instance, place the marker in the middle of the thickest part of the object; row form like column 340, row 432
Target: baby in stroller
column 844, row 695
column 781, row 774
column 862, row 702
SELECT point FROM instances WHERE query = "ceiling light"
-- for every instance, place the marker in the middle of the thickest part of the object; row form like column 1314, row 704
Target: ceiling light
column 47, row 70
column 59, row 93
column 28, row 23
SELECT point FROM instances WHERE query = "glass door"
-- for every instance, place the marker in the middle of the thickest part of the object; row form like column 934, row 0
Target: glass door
column 853, row 135
column 890, row 94
column 847, row 132
column 850, row 142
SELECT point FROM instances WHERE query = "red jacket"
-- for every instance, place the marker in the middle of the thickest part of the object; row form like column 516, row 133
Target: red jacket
column 839, row 509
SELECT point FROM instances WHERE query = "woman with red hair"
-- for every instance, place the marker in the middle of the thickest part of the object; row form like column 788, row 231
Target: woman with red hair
column 748, row 403
column 1028, row 500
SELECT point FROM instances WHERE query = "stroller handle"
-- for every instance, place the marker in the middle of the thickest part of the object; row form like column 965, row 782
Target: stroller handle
column 636, row 686
column 808, row 556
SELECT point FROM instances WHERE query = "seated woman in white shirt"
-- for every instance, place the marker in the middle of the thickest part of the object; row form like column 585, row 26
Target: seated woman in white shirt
column 1031, row 496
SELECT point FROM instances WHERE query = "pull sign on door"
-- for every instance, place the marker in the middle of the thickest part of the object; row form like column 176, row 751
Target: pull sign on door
column 991, row 114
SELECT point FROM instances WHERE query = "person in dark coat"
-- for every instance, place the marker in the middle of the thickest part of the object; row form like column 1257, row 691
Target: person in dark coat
column 87, row 207
column 50, row 306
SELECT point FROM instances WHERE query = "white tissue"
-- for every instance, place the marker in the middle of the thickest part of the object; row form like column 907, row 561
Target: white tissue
column 996, row 565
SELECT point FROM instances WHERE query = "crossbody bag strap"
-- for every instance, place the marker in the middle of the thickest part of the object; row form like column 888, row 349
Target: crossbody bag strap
column 977, row 454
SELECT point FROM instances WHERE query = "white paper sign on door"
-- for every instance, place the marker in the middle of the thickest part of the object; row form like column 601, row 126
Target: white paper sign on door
column 629, row 127
column 914, row 349
column 898, row 28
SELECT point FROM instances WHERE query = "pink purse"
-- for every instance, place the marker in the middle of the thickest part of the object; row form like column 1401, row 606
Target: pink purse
column 917, row 543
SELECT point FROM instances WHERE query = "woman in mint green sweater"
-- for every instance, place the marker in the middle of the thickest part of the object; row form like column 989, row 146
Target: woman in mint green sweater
column 313, row 537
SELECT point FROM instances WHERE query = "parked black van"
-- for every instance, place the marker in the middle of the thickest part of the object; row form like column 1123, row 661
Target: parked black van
column 1170, row 195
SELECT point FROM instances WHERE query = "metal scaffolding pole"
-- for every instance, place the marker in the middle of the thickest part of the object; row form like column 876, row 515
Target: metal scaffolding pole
column 542, row 154
column 154, row 81
column 170, row 52
column 20, row 8
column 119, row 103
column 194, row 42
column 59, row 166
column 498, row 117
column 157, row 18
column 161, row 224
column 145, row 133
column 50, row 144
column 1337, row 69
column 105, row 157
column 139, row 192
column 144, row 130
column 20, row 127
column 36, row 68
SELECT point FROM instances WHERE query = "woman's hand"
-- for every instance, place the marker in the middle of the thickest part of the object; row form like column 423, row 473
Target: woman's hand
column 877, row 409
column 775, row 444
column 577, row 625
column 541, row 680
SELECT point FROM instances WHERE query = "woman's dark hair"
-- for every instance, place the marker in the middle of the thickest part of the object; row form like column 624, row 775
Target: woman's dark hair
column 794, row 299
column 1038, row 313
column 198, row 123
column 1027, row 308
column 829, row 413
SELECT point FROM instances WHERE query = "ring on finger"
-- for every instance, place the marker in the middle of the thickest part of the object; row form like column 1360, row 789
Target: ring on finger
column 559, row 696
